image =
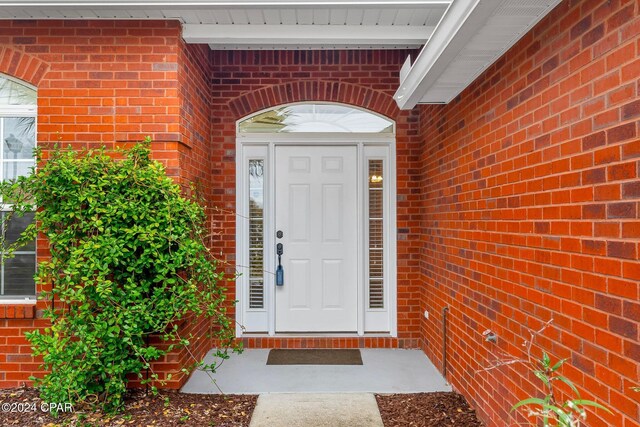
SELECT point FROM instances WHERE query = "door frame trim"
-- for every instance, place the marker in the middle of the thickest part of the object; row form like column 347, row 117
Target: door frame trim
column 265, row 144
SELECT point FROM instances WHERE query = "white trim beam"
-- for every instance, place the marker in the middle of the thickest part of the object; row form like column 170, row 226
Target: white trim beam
column 222, row 3
column 458, row 25
column 471, row 36
column 325, row 36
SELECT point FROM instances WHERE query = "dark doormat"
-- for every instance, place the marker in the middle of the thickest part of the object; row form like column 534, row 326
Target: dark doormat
column 314, row 357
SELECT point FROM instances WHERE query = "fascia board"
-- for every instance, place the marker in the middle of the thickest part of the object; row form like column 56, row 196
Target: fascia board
column 458, row 25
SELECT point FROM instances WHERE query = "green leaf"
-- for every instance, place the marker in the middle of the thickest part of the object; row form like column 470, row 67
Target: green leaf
column 568, row 382
column 583, row 402
column 542, row 376
column 546, row 360
column 563, row 418
column 529, row 401
column 558, row 364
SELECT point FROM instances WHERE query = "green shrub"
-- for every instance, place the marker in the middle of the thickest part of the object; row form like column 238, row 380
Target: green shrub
column 128, row 260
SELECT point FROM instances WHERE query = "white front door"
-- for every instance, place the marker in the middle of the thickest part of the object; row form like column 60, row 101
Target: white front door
column 316, row 211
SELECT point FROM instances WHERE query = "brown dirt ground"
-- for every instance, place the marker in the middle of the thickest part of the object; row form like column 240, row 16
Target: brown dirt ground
column 177, row 409
column 141, row 410
column 426, row 410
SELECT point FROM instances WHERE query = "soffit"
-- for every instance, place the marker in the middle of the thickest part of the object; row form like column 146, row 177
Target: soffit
column 337, row 24
column 460, row 38
column 472, row 35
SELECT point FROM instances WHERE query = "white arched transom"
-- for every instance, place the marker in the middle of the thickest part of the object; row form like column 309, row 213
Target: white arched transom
column 316, row 118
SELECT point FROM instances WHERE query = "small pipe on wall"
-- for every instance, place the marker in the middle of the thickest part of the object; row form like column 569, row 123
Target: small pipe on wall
column 445, row 310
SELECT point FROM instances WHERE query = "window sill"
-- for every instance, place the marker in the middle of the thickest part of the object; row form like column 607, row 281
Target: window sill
column 17, row 310
column 18, row 301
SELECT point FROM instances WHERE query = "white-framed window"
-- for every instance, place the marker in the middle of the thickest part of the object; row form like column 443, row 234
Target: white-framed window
column 375, row 231
column 379, row 237
column 256, row 234
column 254, row 260
column 18, row 140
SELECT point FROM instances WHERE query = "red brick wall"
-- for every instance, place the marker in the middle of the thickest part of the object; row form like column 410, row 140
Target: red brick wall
column 245, row 82
column 112, row 83
column 531, row 203
column 191, row 157
column 108, row 83
column 16, row 363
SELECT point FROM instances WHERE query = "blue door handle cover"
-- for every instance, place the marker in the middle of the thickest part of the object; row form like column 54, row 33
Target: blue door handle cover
column 279, row 276
column 279, row 270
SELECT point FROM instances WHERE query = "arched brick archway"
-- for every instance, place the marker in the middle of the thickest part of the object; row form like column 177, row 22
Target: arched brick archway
column 22, row 66
column 327, row 91
column 247, row 83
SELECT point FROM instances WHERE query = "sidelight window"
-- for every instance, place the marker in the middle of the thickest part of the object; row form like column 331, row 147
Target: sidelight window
column 376, row 234
column 256, row 233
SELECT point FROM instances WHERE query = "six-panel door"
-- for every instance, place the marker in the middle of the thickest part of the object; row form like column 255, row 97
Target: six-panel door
column 316, row 210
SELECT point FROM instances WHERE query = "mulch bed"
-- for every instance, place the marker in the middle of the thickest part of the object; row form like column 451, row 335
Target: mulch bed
column 141, row 410
column 177, row 409
column 426, row 410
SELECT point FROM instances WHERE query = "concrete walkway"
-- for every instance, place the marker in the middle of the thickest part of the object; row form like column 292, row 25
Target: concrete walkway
column 316, row 410
column 383, row 371
column 320, row 395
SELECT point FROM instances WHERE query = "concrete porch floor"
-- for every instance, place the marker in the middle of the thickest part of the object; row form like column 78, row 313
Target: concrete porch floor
column 382, row 371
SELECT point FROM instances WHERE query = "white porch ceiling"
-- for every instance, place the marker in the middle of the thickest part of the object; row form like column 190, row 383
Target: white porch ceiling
column 294, row 36
column 461, row 38
column 262, row 24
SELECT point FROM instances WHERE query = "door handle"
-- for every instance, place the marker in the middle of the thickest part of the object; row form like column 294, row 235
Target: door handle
column 279, row 269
